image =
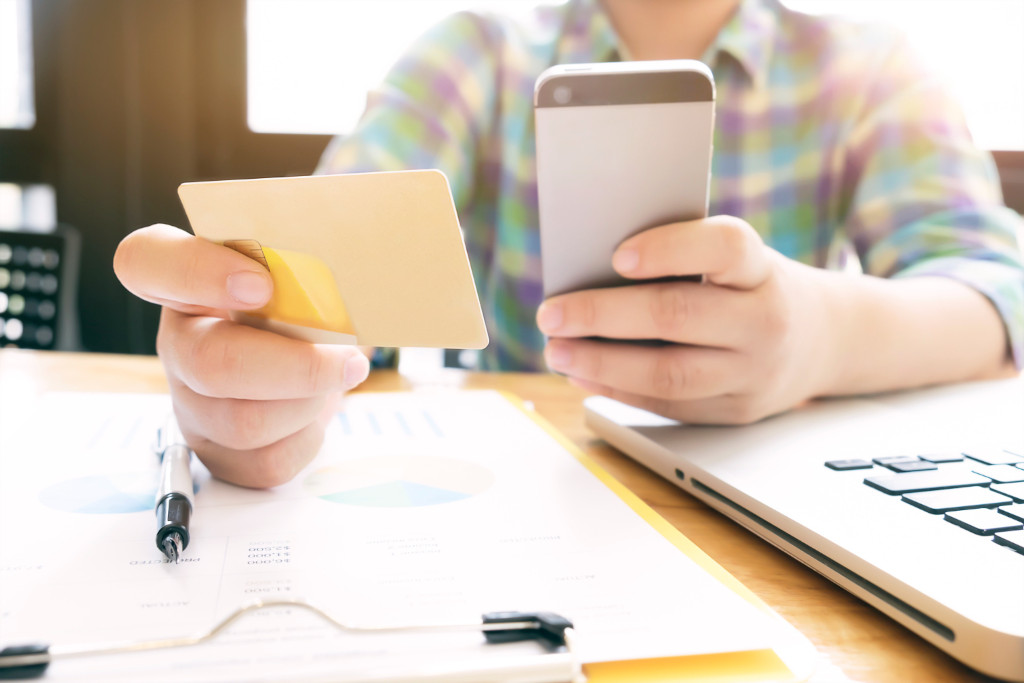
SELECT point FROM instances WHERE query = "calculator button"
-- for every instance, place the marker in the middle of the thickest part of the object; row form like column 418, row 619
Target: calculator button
column 1001, row 474
column 947, row 500
column 13, row 329
column 909, row 482
column 44, row 336
column 48, row 284
column 47, row 309
column 851, row 464
column 983, row 522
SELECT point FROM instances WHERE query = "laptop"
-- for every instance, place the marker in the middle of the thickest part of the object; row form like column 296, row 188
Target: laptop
column 912, row 501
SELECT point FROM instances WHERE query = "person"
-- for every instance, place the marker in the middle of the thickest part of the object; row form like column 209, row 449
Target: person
column 827, row 132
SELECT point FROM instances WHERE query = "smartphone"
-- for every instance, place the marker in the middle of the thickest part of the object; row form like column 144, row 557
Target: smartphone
column 621, row 147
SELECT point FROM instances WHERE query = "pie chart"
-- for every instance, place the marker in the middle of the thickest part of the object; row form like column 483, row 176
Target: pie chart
column 396, row 481
column 103, row 494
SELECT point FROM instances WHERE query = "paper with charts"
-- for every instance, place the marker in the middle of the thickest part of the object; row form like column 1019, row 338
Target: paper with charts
column 420, row 508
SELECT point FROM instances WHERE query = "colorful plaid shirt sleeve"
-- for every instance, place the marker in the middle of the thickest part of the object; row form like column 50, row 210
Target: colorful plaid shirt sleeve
column 826, row 132
column 924, row 201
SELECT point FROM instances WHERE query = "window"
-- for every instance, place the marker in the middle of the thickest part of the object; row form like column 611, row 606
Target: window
column 29, row 207
column 17, row 109
column 311, row 62
column 975, row 47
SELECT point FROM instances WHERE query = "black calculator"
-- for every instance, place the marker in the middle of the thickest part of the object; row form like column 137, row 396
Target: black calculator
column 31, row 285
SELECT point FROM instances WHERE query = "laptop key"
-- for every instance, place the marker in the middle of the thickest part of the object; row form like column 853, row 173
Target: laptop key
column 1016, row 511
column 852, row 464
column 910, row 482
column 914, row 466
column 983, row 521
column 939, row 458
column 1015, row 491
column 1002, row 474
column 887, row 460
column 947, row 500
column 1011, row 539
column 993, row 457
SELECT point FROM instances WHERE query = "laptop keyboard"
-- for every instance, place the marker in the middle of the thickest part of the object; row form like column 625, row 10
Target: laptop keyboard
column 981, row 492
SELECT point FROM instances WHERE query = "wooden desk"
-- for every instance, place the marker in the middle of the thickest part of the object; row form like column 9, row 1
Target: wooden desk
column 856, row 642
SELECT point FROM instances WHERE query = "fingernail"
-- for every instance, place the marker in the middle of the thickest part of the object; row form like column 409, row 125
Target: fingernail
column 249, row 288
column 592, row 387
column 626, row 260
column 357, row 369
column 558, row 357
column 549, row 317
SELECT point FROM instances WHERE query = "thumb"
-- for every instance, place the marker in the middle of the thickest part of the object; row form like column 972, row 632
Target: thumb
column 170, row 267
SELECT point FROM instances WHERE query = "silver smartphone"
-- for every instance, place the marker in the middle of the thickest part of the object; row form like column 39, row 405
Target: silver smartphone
column 621, row 147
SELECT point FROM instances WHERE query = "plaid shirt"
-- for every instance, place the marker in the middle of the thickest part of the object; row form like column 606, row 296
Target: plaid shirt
column 828, row 133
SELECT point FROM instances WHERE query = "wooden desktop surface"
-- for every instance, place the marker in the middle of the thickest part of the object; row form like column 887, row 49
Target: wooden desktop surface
column 856, row 643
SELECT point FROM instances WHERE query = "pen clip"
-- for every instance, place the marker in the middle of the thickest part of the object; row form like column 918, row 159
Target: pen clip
column 167, row 436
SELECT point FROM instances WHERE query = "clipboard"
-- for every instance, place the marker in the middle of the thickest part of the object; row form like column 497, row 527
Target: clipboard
column 790, row 657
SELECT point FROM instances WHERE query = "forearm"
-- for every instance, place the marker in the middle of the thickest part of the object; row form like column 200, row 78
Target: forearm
column 901, row 333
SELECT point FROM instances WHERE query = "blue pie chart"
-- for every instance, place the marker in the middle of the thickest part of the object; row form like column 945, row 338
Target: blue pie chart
column 110, row 494
column 399, row 481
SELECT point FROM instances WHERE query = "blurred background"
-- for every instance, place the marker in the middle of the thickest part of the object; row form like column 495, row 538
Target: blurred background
column 106, row 106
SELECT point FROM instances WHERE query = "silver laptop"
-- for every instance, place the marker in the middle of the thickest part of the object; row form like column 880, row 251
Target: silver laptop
column 912, row 501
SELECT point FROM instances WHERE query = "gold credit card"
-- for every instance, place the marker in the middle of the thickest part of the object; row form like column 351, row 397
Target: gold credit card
column 368, row 258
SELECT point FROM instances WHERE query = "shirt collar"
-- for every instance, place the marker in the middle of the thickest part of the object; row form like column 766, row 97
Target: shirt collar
column 588, row 35
column 747, row 37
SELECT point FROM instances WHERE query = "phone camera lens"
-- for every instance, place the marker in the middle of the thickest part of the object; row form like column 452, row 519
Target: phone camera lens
column 563, row 94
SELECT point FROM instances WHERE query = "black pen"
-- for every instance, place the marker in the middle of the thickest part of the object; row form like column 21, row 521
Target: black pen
column 174, row 495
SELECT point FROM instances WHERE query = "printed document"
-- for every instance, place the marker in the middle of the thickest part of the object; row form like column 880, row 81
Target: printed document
column 421, row 508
